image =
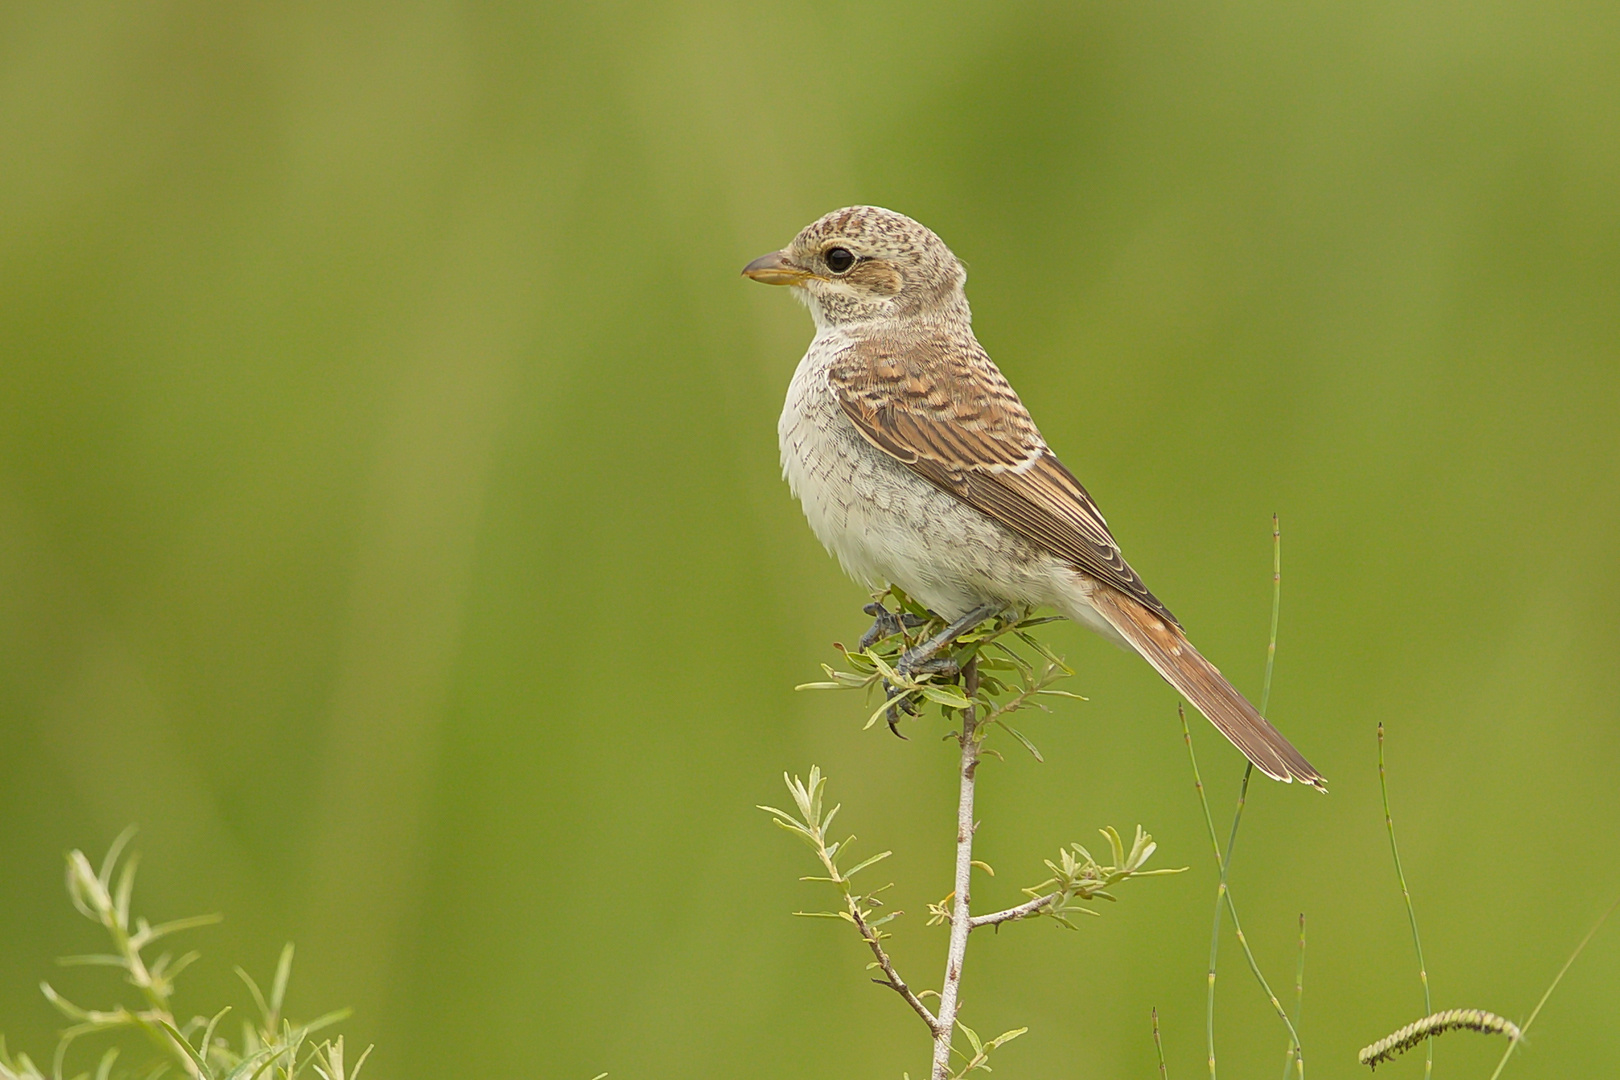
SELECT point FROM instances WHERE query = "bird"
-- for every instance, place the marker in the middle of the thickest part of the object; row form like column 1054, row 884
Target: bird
column 917, row 465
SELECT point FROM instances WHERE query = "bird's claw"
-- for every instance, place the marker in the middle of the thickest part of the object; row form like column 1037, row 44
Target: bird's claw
column 885, row 623
column 907, row 669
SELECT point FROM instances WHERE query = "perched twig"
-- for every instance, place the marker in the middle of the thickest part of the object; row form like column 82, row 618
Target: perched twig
column 976, row 688
column 891, row 978
column 961, row 917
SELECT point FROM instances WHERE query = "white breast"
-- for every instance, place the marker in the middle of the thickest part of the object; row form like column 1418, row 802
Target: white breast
column 886, row 523
column 822, row 464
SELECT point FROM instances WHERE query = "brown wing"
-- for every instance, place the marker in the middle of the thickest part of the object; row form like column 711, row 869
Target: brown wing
column 944, row 409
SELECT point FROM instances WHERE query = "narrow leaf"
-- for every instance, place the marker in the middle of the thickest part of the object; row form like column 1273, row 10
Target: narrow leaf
column 858, row 867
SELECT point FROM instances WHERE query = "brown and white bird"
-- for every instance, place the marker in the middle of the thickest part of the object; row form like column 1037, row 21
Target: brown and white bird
column 917, row 464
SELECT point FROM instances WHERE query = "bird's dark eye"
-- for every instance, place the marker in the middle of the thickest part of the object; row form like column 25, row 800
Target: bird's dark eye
column 839, row 260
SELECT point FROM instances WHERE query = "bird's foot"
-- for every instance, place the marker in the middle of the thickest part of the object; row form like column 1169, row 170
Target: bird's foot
column 885, row 623
column 908, row 669
column 923, row 659
column 912, row 665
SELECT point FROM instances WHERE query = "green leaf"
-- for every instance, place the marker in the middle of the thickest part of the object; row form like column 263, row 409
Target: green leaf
column 254, row 1064
column 1115, row 843
column 783, row 814
column 99, row 960
column 949, row 696
column 1027, row 745
column 1056, row 660
column 858, row 867
column 208, row 1033
column 149, row 934
column 883, row 708
column 126, row 886
column 253, row 988
column 191, row 1051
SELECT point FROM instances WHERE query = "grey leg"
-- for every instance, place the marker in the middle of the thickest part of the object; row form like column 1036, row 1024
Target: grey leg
column 912, row 662
column 884, row 624
column 922, row 659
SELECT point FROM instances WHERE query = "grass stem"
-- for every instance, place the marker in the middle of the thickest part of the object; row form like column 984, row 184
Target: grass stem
column 1590, row 934
column 1158, row 1045
column 1237, row 926
column 1411, row 912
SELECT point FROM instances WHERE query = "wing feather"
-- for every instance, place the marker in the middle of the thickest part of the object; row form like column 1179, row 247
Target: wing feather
column 947, row 412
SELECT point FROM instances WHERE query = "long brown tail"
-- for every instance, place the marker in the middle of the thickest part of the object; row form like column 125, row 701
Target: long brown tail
column 1173, row 656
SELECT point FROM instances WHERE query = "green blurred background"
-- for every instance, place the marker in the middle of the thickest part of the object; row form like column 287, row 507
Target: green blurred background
column 390, row 520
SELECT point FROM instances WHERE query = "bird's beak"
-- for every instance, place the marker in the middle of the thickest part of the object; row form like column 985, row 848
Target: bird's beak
column 775, row 269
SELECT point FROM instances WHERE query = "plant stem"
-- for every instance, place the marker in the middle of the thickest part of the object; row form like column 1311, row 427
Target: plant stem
column 1221, row 893
column 961, row 917
column 1411, row 912
column 1013, row 914
column 1276, row 609
column 115, row 919
column 875, row 943
column 1299, row 997
column 869, row 933
column 1514, row 1044
column 1237, row 926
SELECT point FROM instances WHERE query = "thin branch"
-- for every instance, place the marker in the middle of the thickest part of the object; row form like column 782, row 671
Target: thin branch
column 961, row 911
column 870, row 935
column 894, row 981
column 1013, row 914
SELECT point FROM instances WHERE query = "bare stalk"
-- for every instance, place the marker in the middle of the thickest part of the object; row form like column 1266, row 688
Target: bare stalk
column 1406, row 894
column 891, row 978
column 961, row 919
column 1237, row 926
column 1158, row 1046
column 1513, row 1044
column 1299, row 998
column 1013, row 914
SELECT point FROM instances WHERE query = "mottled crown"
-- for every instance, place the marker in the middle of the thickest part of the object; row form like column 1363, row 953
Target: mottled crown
column 901, row 268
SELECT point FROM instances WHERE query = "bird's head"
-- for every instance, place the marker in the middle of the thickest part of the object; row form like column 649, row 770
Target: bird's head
column 865, row 263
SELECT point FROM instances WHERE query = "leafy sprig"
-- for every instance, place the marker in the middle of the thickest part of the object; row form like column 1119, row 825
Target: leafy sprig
column 1077, row 877
column 270, row 1046
column 1008, row 680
